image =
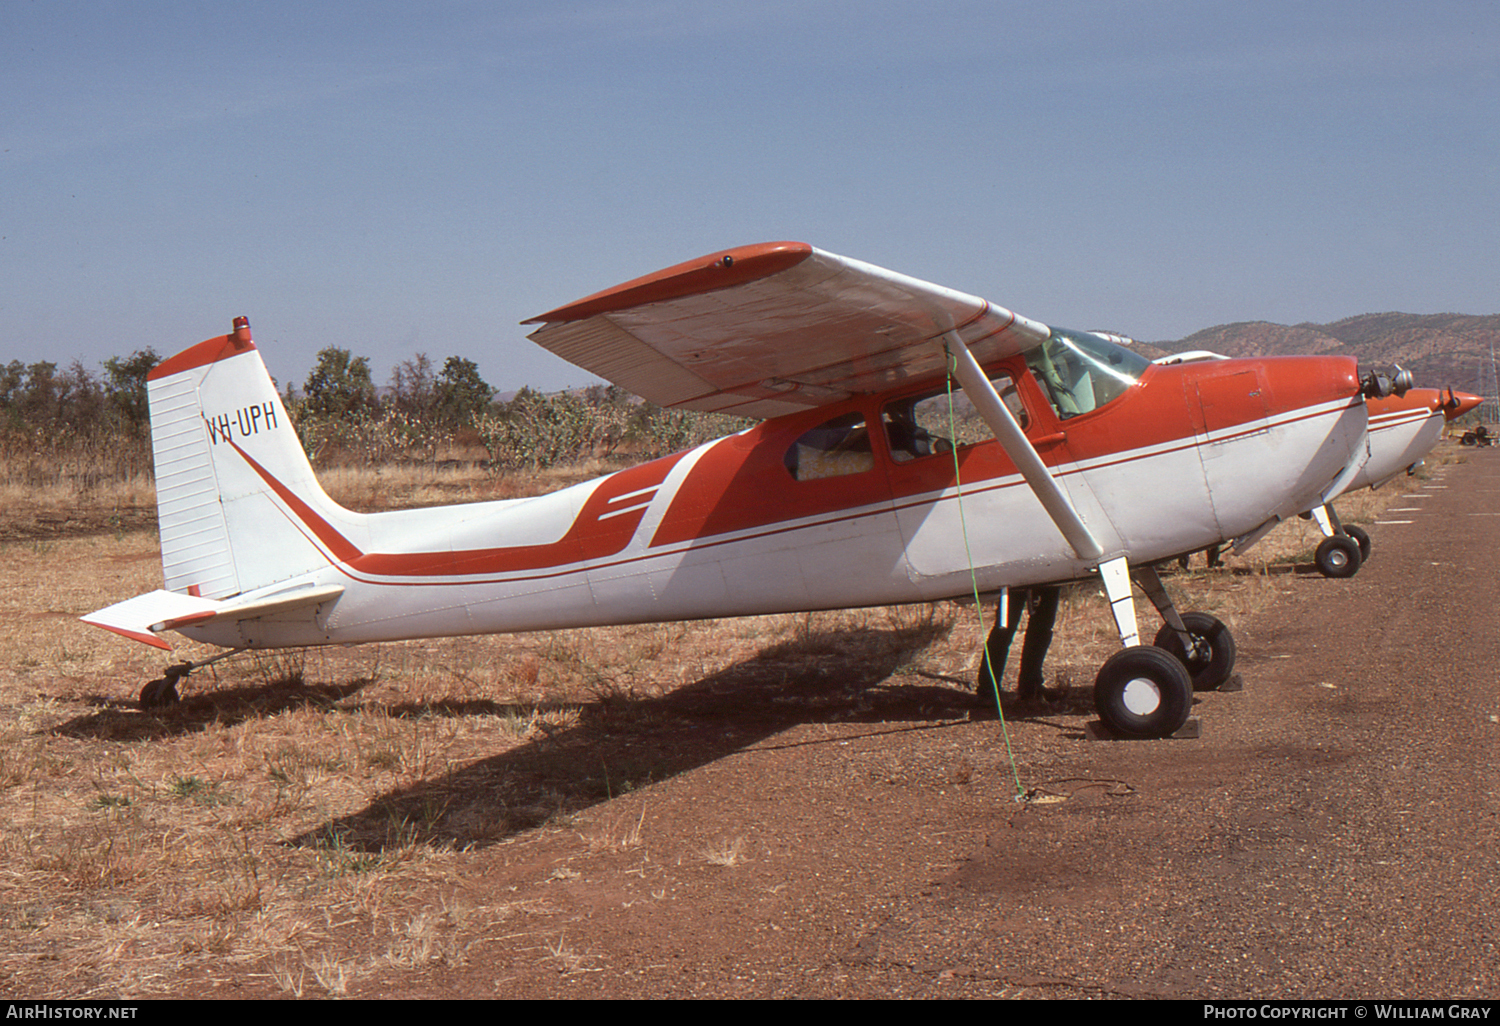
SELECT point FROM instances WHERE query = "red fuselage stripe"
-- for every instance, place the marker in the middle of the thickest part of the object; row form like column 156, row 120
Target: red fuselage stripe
column 773, row 530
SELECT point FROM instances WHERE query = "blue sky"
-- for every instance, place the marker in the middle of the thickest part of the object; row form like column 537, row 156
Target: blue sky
column 404, row 177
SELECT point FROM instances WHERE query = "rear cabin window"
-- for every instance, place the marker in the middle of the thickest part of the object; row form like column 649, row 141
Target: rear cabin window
column 832, row 449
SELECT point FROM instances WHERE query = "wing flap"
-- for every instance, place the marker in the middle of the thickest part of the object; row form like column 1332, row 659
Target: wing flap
column 769, row 329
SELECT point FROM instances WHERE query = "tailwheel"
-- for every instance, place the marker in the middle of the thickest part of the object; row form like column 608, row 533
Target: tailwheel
column 1362, row 539
column 162, row 692
column 1143, row 691
column 1338, row 556
column 1211, row 661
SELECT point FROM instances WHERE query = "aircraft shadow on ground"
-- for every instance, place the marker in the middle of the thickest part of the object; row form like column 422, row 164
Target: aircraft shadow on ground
column 1300, row 569
column 622, row 742
column 230, row 706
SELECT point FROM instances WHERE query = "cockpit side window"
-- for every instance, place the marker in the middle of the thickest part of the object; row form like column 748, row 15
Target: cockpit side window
column 832, row 449
column 921, row 425
column 1080, row 371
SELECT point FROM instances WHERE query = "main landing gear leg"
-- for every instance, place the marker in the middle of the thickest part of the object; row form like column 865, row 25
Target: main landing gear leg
column 1141, row 691
column 162, row 692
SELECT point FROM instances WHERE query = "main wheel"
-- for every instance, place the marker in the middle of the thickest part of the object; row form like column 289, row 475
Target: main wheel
column 1212, row 659
column 1362, row 539
column 1338, row 556
column 1143, row 692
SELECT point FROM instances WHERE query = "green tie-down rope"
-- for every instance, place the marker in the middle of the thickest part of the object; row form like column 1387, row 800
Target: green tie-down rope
column 974, row 585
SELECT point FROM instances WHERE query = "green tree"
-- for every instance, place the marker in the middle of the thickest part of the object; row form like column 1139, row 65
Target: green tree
column 462, row 395
column 413, row 390
column 81, row 399
column 338, row 385
column 125, row 384
column 12, row 388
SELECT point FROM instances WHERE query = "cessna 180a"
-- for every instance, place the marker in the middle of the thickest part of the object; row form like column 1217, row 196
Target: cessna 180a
column 1404, row 426
column 1096, row 464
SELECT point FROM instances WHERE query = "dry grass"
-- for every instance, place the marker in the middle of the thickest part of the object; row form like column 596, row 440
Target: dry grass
column 565, row 960
column 725, row 852
column 136, row 491
column 618, row 833
column 427, row 484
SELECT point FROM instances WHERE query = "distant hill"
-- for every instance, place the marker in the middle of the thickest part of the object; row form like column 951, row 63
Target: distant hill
column 1441, row 350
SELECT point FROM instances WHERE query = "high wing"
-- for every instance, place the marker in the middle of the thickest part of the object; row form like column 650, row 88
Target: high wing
column 774, row 328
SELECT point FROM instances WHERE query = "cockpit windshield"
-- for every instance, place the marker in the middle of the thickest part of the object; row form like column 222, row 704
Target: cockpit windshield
column 1080, row 371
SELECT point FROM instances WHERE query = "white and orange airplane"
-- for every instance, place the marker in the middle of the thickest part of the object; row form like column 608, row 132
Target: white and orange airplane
column 1095, row 464
column 1403, row 428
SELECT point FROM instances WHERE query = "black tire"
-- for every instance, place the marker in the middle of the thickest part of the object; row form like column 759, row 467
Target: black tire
column 1362, row 539
column 1467, row 439
column 1338, row 556
column 1143, row 692
column 160, row 693
column 1212, row 661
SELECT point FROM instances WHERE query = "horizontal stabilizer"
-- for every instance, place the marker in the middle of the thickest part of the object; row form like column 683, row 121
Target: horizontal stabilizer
column 145, row 616
column 136, row 618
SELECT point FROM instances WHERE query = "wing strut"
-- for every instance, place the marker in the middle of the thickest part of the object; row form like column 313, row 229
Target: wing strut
column 1021, row 452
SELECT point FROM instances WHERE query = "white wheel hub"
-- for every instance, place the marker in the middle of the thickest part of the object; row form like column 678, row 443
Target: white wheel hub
column 1142, row 697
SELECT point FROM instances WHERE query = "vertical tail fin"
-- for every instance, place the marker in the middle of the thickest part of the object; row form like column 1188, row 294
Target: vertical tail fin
column 237, row 502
